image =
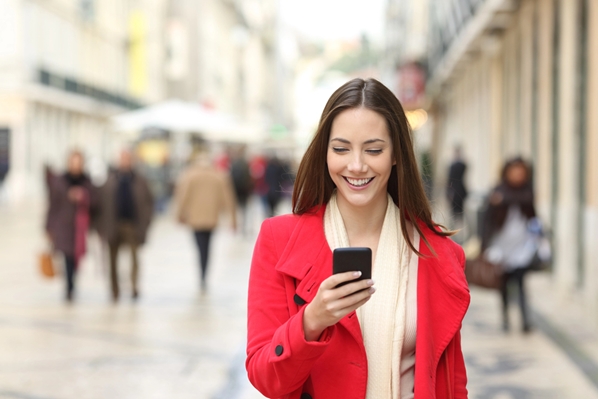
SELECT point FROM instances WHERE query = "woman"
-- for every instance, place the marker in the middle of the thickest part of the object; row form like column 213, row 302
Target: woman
column 507, row 239
column 357, row 185
column 72, row 198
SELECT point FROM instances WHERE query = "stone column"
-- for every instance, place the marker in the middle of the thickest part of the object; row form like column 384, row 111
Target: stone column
column 591, row 212
column 544, row 181
column 566, row 231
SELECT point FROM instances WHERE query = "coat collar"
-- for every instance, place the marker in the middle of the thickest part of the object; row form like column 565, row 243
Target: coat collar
column 307, row 255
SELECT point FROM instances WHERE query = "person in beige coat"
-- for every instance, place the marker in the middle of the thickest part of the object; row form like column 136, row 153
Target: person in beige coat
column 202, row 194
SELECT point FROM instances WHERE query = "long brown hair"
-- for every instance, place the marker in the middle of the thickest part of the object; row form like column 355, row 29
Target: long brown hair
column 314, row 186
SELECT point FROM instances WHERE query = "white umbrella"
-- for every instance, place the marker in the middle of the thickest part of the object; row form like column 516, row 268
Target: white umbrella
column 176, row 115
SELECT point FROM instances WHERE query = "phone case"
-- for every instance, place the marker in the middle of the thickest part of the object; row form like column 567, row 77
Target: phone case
column 351, row 259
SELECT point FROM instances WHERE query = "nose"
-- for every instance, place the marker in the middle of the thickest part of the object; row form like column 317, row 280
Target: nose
column 357, row 165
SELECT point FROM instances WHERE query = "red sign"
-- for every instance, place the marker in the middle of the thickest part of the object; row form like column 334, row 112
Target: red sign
column 411, row 88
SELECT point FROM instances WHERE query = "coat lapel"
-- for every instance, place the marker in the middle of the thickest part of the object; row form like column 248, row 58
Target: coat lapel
column 308, row 259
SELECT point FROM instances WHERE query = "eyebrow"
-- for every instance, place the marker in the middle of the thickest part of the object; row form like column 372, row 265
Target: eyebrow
column 370, row 141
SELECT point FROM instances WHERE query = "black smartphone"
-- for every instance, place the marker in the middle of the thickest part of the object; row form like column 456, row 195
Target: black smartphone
column 352, row 259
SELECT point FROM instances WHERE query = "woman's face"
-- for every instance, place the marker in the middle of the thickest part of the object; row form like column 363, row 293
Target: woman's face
column 360, row 157
column 516, row 175
column 75, row 164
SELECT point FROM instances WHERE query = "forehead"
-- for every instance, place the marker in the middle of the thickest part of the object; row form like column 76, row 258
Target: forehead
column 359, row 123
column 517, row 167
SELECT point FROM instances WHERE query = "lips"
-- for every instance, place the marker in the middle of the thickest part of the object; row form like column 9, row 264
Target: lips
column 358, row 182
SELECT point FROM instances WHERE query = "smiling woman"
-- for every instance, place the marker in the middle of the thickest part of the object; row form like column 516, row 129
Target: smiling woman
column 309, row 335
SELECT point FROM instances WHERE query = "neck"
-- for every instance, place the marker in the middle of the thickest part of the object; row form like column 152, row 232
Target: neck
column 363, row 221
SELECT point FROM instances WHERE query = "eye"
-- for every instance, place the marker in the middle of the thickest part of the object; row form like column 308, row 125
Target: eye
column 374, row 151
column 340, row 149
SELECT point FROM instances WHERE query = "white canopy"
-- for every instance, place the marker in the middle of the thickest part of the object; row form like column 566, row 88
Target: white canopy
column 184, row 117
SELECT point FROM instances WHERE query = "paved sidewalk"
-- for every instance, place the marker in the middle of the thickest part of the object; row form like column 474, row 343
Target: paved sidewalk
column 178, row 343
column 175, row 342
column 516, row 365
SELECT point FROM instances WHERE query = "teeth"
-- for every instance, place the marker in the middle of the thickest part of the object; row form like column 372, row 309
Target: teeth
column 359, row 182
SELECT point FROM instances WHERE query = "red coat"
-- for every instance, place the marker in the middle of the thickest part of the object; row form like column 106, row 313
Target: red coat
column 290, row 260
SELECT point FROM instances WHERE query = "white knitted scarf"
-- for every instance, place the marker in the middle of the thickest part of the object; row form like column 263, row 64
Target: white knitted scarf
column 382, row 318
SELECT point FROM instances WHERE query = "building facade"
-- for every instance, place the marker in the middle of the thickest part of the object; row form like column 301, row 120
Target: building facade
column 65, row 68
column 227, row 54
column 68, row 66
column 513, row 78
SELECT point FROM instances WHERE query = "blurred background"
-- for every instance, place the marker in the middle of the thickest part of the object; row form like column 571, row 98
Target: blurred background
column 248, row 79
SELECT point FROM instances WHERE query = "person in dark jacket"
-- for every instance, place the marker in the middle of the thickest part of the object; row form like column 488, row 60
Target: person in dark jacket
column 456, row 191
column 72, row 200
column 127, row 211
column 506, row 236
column 275, row 177
column 242, row 183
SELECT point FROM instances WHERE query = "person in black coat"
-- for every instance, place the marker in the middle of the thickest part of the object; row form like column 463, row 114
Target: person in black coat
column 275, row 176
column 456, row 191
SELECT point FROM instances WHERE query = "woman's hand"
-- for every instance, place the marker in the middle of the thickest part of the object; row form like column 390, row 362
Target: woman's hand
column 332, row 304
column 496, row 198
column 75, row 194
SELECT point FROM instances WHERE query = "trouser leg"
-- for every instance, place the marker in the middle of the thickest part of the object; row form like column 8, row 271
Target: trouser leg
column 70, row 265
column 244, row 215
column 504, row 292
column 113, row 247
column 129, row 237
column 520, row 277
column 202, row 239
column 134, row 269
column 272, row 203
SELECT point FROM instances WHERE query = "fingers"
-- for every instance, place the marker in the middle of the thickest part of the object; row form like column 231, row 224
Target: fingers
column 338, row 302
column 331, row 283
column 351, row 288
column 332, row 304
column 348, row 303
column 339, row 278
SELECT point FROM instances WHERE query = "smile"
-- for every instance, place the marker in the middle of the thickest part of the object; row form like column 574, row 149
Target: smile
column 358, row 182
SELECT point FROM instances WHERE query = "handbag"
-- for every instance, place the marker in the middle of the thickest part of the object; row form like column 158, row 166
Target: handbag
column 46, row 264
column 542, row 259
column 480, row 272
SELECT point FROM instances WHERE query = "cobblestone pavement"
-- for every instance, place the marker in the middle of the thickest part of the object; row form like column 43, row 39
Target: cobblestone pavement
column 177, row 342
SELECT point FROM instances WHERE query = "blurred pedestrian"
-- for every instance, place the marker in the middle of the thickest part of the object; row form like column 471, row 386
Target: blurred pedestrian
column 456, row 191
column 506, row 237
column 274, row 176
column 242, row 183
column 72, row 202
column 357, row 185
column 161, row 184
column 127, row 211
column 202, row 193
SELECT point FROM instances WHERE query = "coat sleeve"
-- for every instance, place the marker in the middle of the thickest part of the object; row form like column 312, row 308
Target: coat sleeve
column 279, row 359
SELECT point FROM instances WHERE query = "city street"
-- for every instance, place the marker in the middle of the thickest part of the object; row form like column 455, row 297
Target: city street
column 177, row 342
